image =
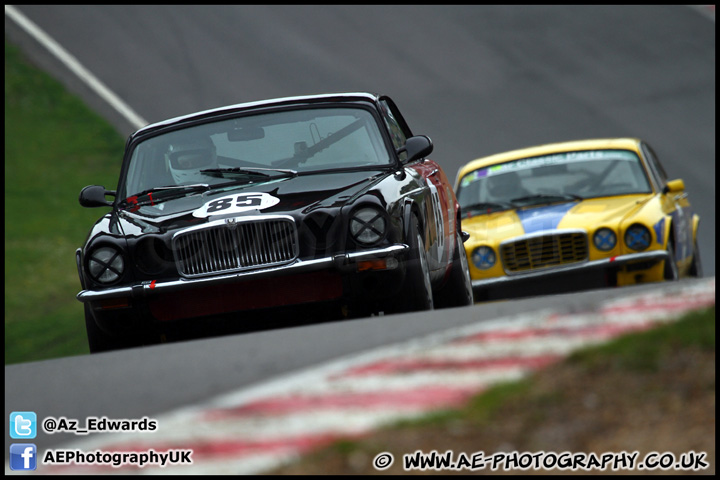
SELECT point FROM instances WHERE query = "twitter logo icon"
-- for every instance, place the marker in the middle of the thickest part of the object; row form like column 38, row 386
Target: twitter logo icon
column 23, row 425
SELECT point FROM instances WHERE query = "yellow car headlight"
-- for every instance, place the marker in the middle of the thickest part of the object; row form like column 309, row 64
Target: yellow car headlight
column 637, row 237
column 604, row 239
column 484, row 257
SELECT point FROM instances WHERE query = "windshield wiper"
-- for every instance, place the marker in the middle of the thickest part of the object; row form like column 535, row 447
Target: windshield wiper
column 257, row 171
column 164, row 193
column 488, row 207
column 549, row 198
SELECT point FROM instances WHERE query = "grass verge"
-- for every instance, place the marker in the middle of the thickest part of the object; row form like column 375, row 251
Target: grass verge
column 54, row 146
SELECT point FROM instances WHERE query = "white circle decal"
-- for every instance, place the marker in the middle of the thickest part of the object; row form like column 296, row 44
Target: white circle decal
column 237, row 203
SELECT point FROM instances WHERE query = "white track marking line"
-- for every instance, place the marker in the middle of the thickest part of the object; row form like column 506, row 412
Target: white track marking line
column 76, row 67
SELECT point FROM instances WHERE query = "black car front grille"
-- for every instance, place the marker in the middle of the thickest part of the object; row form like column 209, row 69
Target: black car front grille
column 235, row 245
column 544, row 251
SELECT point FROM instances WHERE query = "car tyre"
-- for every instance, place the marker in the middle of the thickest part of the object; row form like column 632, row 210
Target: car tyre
column 458, row 290
column 671, row 269
column 99, row 341
column 416, row 292
column 696, row 266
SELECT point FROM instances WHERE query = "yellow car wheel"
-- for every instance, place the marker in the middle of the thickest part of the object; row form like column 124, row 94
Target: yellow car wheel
column 696, row 266
column 671, row 269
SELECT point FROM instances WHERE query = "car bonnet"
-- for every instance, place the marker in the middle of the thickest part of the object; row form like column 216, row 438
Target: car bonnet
column 298, row 195
column 587, row 214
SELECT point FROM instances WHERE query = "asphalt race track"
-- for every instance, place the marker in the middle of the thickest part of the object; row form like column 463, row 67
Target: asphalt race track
column 476, row 79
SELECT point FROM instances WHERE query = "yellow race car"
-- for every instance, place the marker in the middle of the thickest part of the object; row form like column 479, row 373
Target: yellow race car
column 573, row 215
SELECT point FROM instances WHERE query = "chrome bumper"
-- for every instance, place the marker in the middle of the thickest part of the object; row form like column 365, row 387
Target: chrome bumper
column 338, row 262
column 619, row 261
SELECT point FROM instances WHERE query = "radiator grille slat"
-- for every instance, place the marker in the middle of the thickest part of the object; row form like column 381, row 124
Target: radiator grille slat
column 245, row 245
column 545, row 251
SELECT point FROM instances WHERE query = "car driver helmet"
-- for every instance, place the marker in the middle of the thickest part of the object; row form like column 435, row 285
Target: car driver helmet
column 187, row 157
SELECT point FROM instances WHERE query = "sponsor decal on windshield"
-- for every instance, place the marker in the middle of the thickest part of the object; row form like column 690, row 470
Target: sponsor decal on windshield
column 547, row 160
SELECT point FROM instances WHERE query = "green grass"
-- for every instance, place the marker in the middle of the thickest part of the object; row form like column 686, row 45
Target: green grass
column 54, row 146
column 644, row 351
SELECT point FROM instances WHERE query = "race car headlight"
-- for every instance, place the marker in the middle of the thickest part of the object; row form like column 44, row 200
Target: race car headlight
column 106, row 265
column 605, row 239
column 637, row 237
column 484, row 257
column 368, row 226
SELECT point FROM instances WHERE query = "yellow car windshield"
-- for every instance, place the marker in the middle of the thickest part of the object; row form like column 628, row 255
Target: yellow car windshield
column 556, row 177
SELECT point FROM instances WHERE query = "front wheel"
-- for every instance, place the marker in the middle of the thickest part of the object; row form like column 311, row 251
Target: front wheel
column 416, row 292
column 458, row 290
column 696, row 269
column 99, row 341
column 671, row 270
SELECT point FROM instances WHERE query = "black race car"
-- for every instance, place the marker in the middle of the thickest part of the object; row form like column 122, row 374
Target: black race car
column 260, row 208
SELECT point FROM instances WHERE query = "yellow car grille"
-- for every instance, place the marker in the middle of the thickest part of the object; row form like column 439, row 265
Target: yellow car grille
column 544, row 251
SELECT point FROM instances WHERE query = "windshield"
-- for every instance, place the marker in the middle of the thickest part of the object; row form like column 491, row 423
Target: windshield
column 551, row 178
column 258, row 148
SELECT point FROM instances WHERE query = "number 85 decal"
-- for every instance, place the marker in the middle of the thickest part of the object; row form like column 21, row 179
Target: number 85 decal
column 236, row 203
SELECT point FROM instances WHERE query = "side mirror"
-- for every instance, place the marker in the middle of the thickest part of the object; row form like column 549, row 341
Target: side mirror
column 674, row 186
column 416, row 147
column 94, row 196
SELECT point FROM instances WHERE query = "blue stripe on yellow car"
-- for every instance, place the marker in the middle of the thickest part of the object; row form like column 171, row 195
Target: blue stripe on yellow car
column 543, row 218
